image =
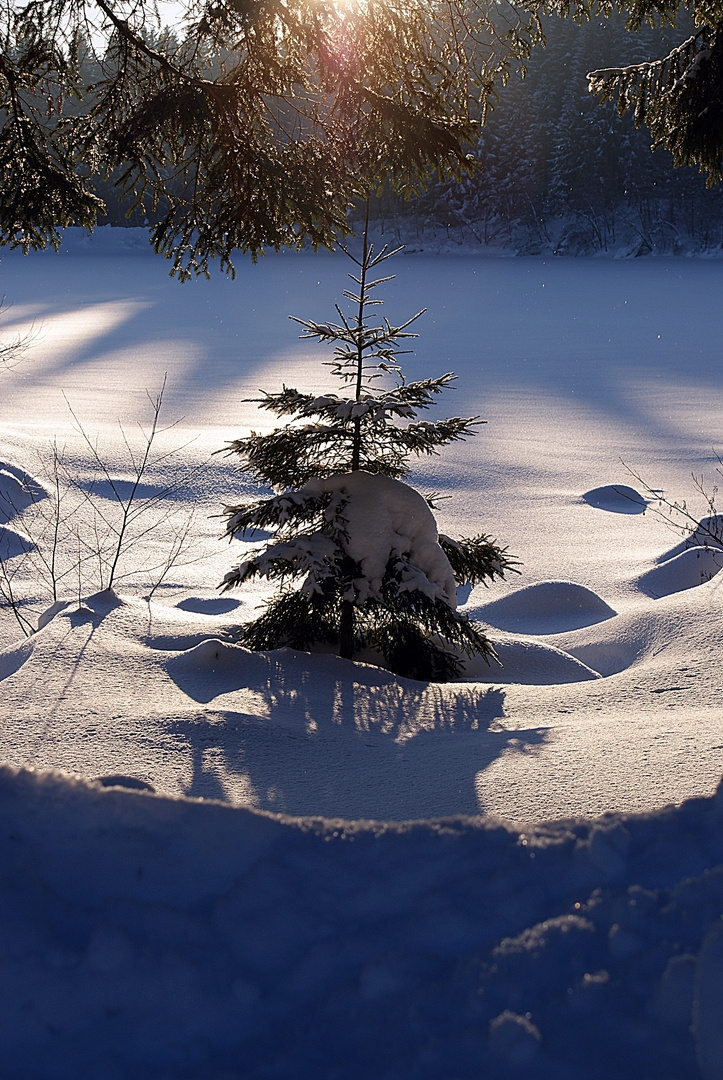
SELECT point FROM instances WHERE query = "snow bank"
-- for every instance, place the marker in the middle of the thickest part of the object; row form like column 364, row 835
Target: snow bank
column 529, row 663
column 13, row 543
column 708, row 533
column 170, row 938
column 18, row 491
column 686, row 570
column 550, row 607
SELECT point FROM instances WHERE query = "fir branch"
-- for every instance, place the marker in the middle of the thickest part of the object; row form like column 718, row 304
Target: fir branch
column 293, row 620
column 285, row 402
column 411, row 617
column 477, row 560
column 283, row 513
column 411, row 654
column 312, row 554
column 289, row 457
column 420, row 393
column 425, row 437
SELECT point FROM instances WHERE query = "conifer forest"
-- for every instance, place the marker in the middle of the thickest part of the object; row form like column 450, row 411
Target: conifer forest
column 560, row 172
column 557, row 172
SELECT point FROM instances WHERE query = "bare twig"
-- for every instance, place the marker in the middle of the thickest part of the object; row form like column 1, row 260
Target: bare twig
column 14, row 352
column 704, row 530
column 76, row 534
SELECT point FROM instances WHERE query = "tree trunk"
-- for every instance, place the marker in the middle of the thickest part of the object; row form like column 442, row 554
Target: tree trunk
column 346, row 621
column 346, row 630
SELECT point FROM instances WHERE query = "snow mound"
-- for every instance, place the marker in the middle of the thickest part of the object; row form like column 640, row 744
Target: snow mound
column 616, row 498
column 208, row 605
column 193, row 941
column 214, row 667
column 210, row 668
column 610, row 656
column 709, row 533
column 13, row 658
column 692, row 567
column 13, row 543
column 640, row 639
column 530, row 663
column 550, row 607
column 18, row 491
column 49, row 614
column 93, row 608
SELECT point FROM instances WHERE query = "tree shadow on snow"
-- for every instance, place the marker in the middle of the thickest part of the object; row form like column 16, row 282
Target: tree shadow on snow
column 343, row 740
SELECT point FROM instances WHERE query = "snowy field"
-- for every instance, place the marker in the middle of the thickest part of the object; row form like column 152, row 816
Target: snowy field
column 566, row 923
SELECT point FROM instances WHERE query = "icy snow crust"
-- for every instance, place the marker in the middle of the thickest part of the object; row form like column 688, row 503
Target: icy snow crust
column 222, row 882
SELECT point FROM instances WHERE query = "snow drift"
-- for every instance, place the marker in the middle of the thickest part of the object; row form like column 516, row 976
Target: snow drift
column 156, row 937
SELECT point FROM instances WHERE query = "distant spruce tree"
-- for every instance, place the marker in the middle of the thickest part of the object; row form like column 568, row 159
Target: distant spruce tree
column 355, row 550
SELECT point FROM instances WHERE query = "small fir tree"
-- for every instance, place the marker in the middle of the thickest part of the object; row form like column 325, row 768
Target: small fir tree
column 355, row 550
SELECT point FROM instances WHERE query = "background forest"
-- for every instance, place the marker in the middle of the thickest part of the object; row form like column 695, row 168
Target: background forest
column 562, row 173
column 559, row 172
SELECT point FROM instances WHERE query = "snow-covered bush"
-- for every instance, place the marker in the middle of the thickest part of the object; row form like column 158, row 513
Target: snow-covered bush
column 355, row 550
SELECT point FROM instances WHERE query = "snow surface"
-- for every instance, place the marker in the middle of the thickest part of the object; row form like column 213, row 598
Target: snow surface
column 221, row 881
column 155, row 937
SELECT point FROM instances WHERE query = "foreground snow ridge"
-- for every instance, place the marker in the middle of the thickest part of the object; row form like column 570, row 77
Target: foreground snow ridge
column 146, row 936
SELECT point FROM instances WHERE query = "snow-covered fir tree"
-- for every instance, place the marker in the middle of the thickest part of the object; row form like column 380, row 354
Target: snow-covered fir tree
column 355, row 550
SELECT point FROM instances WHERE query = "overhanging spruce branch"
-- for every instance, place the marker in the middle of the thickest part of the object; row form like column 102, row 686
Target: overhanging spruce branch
column 601, row 79
column 257, row 128
column 678, row 97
